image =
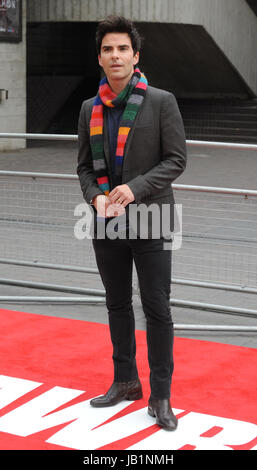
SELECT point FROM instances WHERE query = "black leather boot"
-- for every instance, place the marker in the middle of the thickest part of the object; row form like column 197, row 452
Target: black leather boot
column 119, row 391
column 161, row 409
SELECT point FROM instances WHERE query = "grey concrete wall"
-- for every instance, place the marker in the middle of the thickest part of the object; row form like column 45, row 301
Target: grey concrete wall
column 13, row 78
column 231, row 23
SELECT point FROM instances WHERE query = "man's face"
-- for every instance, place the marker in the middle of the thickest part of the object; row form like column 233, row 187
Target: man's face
column 117, row 57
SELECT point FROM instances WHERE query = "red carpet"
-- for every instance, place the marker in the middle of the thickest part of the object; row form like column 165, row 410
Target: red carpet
column 50, row 367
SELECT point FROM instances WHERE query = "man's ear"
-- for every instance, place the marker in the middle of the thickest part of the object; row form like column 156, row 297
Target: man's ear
column 136, row 58
column 99, row 60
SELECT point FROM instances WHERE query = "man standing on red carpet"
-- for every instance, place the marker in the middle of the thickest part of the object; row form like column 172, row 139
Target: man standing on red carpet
column 131, row 148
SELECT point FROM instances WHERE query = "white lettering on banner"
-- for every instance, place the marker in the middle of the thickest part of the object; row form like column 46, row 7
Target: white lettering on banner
column 12, row 388
column 81, row 435
column 37, row 415
column 30, row 417
column 83, row 428
column 191, row 430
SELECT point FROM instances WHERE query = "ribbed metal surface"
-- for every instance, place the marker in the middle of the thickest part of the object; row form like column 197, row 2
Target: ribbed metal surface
column 93, row 10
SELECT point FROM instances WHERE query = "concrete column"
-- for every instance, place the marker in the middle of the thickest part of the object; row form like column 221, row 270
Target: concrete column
column 13, row 78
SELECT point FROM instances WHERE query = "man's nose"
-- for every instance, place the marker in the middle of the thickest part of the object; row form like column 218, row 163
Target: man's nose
column 115, row 53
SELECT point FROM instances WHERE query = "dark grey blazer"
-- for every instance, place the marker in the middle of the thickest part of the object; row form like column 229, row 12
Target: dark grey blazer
column 154, row 156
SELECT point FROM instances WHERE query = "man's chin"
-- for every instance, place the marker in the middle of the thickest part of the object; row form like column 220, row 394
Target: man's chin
column 116, row 74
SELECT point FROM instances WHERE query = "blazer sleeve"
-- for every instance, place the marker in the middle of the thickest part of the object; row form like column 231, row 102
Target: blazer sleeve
column 85, row 171
column 173, row 155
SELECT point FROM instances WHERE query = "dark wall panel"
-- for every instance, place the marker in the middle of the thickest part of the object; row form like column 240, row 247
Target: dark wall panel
column 62, row 71
column 185, row 59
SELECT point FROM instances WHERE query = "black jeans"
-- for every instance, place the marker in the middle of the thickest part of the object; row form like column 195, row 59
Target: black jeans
column 153, row 264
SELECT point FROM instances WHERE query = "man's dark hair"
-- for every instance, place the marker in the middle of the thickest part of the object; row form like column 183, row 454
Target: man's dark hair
column 118, row 24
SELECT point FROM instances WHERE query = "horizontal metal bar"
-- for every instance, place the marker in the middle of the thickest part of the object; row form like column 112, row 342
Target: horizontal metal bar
column 79, row 290
column 74, row 137
column 227, row 328
column 181, row 187
column 61, row 267
column 18, row 135
column 212, row 189
column 185, row 282
column 94, row 299
column 33, row 174
column 214, row 308
column 27, row 299
column 98, row 300
column 231, row 145
column 214, row 285
column 44, row 286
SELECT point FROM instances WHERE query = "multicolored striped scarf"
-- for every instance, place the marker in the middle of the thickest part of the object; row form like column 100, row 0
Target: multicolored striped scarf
column 133, row 95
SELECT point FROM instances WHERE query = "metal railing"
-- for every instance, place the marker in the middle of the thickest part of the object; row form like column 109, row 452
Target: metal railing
column 74, row 137
column 43, row 216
